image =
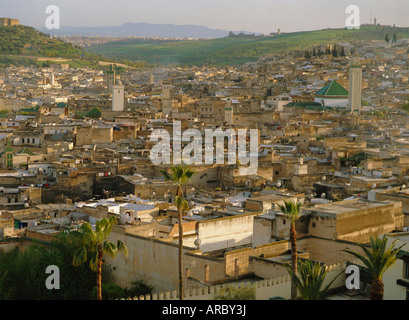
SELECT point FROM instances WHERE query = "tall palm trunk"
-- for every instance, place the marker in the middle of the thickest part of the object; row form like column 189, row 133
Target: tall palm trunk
column 180, row 251
column 377, row 290
column 99, row 273
column 293, row 241
column 180, row 255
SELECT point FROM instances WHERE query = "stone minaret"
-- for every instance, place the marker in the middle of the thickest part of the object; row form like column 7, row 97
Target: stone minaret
column 110, row 79
column 355, row 86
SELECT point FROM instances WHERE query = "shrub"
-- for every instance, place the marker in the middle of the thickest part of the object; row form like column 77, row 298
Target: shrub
column 236, row 293
column 138, row 288
column 109, row 292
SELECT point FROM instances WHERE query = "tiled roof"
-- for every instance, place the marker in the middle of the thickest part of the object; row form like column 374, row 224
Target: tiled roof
column 333, row 89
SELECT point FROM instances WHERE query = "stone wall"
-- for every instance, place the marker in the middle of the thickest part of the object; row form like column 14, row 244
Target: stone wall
column 155, row 262
column 225, row 232
column 239, row 259
column 264, row 289
column 328, row 251
column 9, row 22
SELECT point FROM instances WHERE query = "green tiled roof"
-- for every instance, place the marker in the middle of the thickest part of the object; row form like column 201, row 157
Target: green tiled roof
column 333, row 89
column 96, row 112
column 26, row 151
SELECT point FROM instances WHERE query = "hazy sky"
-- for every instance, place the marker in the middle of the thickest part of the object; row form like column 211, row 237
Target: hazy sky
column 262, row 16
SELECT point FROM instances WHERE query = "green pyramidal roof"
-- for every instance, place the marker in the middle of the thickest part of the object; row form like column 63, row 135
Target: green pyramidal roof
column 26, row 151
column 333, row 89
column 94, row 113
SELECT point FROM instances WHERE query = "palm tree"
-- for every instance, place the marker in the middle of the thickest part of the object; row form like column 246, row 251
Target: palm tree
column 377, row 259
column 94, row 246
column 310, row 279
column 292, row 210
column 180, row 176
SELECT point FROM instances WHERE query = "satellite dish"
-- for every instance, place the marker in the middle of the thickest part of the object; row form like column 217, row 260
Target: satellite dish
column 374, row 186
column 278, row 184
column 324, row 178
column 323, row 195
column 26, row 205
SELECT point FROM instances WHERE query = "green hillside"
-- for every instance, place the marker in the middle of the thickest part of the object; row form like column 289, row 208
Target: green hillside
column 28, row 41
column 238, row 49
column 24, row 45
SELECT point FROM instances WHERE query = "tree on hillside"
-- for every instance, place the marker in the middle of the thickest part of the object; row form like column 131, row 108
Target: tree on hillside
column 387, row 38
column 394, row 39
column 335, row 52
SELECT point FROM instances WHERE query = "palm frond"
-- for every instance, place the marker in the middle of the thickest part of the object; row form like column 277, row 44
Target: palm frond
column 166, row 175
column 87, row 232
column 310, row 279
column 80, row 256
column 181, row 204
column 378, row 258
column 122, row 247
column 93, row 262
column 291, row 209
column 110, row 249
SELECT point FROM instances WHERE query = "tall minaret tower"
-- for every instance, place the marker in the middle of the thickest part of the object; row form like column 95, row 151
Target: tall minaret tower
column 355, row 86
column 118, row 97
column 110, row 79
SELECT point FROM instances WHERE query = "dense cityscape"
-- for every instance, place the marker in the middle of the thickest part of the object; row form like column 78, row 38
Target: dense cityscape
column 146, row 158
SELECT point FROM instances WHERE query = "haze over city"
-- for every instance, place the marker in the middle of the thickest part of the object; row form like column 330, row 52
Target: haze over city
column 262, row 16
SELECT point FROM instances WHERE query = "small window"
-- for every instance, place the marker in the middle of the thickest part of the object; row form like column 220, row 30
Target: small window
column 284, row 222
column 313, row 224
column 22, row 140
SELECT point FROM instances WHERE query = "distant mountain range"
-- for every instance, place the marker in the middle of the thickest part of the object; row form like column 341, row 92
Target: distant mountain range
column 144, row 30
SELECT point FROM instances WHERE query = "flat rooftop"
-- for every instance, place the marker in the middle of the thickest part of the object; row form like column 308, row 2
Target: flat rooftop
column 340, row 207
